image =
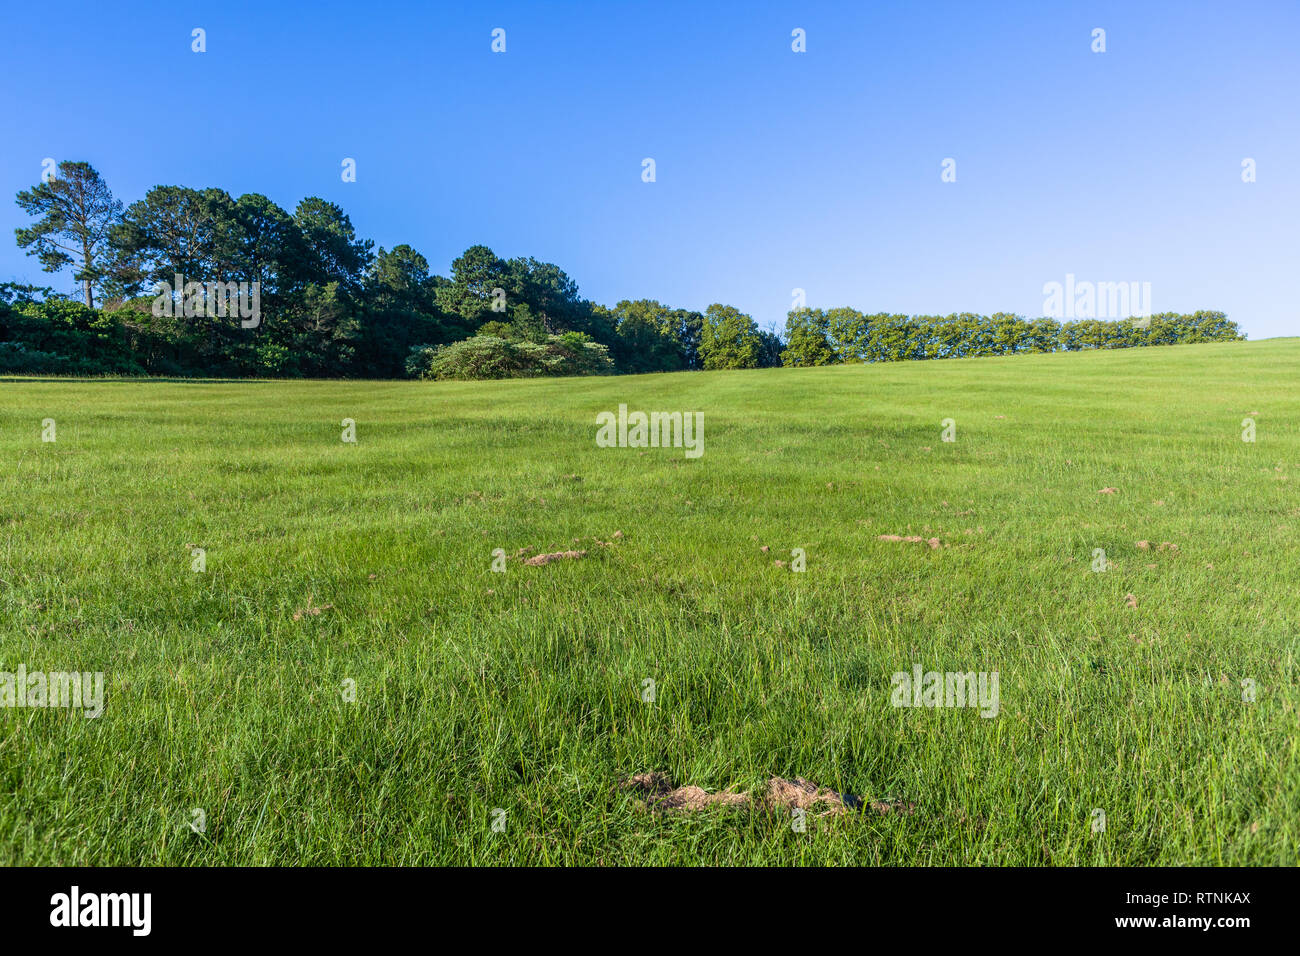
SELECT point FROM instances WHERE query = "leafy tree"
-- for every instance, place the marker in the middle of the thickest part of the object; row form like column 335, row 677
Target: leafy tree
column 176, row 230
column 730, row 339
column 200, row 236
column 848, row 332
column 770, row 347
column 807, row 339
column 400, row 311
column 334, row 253
column 475, row 275
column 19, row 292
column 323, row 330
column 77, row 212
column 548, row 293
column 272, row 249
column 650, row 337
column 527, row 325
column 688, row 329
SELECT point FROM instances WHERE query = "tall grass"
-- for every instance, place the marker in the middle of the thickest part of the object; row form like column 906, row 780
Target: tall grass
column 329, row 563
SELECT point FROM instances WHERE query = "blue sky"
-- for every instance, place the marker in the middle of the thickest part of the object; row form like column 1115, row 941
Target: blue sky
column 775, row 170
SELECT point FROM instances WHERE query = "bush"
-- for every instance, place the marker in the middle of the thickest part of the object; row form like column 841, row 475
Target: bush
column 18, row 359
column 79, row 340
column 490, row 356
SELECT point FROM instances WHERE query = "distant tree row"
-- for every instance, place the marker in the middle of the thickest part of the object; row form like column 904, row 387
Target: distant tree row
column 834, row 336
column 329, row 305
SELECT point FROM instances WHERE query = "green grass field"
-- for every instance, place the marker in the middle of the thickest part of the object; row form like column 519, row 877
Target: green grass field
column 329, row 562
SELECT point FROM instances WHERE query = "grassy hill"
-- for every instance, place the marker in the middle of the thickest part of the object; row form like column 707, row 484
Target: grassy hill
column 366, row 566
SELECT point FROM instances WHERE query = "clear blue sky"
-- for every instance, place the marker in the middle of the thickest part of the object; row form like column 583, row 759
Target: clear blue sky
column 775, row 170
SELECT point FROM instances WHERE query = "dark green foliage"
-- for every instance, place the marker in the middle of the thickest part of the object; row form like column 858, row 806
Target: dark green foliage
column 17, row 359
column 769, row 349
column 330, row 307
column 651, row 337
column 64, row 337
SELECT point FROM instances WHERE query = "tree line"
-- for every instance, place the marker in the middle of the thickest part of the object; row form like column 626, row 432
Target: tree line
column 834, row 336
column 328, row 304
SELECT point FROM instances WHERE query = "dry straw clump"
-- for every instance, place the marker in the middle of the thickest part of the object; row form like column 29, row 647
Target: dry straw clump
column 540, row 559
column 780, row 794
column 912, row 539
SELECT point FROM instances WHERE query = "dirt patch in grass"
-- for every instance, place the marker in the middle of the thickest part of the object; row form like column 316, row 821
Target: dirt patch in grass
column 912, row 539
column 659, row 792
column 311, row 610
column 539, row 559
column 1163, row 546
column 780, row 794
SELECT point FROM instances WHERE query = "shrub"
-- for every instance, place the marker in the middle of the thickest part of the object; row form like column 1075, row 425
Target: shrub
column 490, row 356
column 18, row 359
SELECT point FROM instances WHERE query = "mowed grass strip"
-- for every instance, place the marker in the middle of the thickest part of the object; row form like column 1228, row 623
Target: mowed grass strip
column 332, row 565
